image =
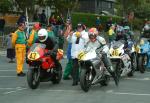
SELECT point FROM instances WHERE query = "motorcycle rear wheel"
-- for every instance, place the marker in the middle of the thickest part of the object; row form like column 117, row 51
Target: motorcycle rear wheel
column 33, row 78
column 84, row 82
column 106, row 80
column 134, row 64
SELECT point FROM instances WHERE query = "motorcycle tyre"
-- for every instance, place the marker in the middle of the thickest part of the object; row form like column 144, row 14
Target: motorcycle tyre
column 130, row 74
column 83, row 82
column 57, row 76
column 106, row 80
column 140, row 63
column 30, row 78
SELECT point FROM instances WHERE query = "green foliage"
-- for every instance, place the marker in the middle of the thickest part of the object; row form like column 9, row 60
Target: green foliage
column 89, row 19
column 62, row 6
column 141, row 8
column 137, row 23
column 143, row 11
column 5, row 6
column 23, row 4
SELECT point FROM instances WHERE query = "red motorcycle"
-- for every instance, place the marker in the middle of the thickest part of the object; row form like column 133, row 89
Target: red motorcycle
column 41, row 67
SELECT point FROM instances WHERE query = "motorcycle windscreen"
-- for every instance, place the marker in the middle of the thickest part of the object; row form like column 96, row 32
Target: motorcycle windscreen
column 36, row 51
column 90, row 55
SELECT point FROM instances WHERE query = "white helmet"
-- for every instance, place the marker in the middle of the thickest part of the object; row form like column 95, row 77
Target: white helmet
column 146, row 27
column 42, row 35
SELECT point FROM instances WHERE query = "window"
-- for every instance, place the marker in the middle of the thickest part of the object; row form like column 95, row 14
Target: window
column 109, row 5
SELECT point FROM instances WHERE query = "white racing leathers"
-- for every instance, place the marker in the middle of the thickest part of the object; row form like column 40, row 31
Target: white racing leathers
column 100, row 43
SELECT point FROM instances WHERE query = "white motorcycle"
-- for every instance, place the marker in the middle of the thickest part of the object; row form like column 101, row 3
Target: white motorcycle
column 92, row 68
column 121, row 58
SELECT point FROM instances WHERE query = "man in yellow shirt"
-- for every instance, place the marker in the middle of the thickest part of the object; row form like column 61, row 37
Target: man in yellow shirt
column 19, row 43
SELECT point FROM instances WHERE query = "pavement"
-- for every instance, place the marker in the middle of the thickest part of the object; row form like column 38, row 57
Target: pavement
column 15, row 89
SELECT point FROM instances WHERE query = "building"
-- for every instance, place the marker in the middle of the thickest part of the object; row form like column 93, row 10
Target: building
column 97, row 6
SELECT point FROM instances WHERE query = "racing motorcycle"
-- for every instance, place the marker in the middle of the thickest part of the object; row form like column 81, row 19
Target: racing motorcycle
column 124, row 57
column 42, row 67
column 143, row 50
column 92, row 68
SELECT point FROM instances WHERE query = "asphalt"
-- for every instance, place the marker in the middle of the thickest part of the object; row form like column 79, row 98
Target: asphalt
column 15, row 89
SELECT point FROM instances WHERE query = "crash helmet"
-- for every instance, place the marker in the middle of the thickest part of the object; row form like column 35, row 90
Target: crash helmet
column 92, row 33
column 127, row 28
column 119, row 30
column 42, row 35
column 146, row 27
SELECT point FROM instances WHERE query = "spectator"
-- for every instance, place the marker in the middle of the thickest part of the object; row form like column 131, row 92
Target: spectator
column 61, row 39
column 111, row 34
column 43, row 18
column 78, row 40
column 22, row 19
column 98, row 23
column 124, row 22
column 68, row 68
column 52, row 20
column 108, row 24
column 36, row 16
column 33, row 36
column 50, row 32
column 2, row 24
column 10, row 50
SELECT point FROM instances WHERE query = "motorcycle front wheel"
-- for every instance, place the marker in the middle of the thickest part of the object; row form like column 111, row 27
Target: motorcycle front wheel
column 85, row 83
column 119, row 66
column 33, row 78
column 142, row 62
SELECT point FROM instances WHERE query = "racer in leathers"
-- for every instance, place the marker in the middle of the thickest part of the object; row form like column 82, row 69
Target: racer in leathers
column 99, row 42
column 51, row 45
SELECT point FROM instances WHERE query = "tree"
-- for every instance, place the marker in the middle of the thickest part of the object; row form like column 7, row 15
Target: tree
column 141, row 8
column 5, row 6
column 23, row 4
column 143, row 11
column 125, row 6
column 62, row 6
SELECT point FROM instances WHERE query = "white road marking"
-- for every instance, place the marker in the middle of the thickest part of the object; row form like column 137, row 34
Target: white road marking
column 14, row 91
column 142, row 79
column 128, row 93
column 8, row 76
column 10, row 70
column 6, row 88
column 109, row 91
column 63, row 90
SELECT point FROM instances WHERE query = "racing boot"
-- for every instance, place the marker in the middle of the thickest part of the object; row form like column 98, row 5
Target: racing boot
column 110, row 68
column 114, row 75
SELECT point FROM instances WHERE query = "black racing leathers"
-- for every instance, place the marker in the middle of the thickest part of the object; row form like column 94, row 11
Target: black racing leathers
column 52, row 46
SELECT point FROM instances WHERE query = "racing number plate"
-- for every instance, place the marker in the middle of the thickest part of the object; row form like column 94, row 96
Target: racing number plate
column 115, row 53
column 33, row 56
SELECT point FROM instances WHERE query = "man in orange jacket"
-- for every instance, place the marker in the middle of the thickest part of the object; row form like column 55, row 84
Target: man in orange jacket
column 19, row 43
